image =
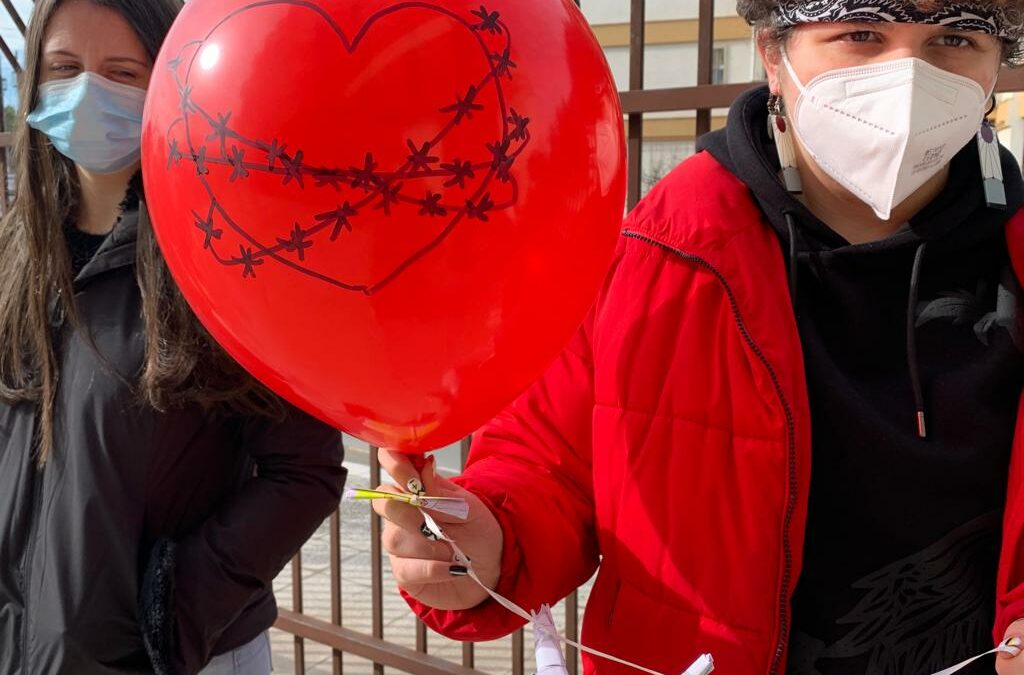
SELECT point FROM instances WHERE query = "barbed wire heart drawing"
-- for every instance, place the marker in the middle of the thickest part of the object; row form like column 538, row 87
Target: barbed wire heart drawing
column 360, row 188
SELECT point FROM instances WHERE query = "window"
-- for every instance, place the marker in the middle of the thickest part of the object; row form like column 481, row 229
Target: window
column 718, row 65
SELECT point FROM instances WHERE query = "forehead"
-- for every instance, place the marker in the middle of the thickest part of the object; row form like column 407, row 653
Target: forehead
column 86, row 30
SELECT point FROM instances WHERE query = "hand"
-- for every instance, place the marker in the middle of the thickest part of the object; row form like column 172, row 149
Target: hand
column 1012, row 664
column 422, row 566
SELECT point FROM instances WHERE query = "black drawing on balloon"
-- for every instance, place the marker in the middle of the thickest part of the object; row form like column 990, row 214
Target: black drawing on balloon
column 427, row 185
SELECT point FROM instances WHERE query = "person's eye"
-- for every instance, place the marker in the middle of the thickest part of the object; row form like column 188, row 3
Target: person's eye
column 860, row 36
column 956, row 41
column 63, row 68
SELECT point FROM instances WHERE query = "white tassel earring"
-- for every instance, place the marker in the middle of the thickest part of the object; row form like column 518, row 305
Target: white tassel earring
column 778, row 129
column 991, row 163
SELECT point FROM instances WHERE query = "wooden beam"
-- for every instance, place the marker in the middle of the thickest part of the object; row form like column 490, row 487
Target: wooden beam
column 683, row 98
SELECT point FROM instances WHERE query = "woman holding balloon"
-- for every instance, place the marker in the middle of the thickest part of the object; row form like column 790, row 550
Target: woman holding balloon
column 150, row 490
column 828, row 283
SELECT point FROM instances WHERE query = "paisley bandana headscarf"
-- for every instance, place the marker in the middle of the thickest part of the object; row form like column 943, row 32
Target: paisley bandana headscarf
column 1005, row 23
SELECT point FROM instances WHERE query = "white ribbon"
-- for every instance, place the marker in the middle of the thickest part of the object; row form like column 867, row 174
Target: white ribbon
column 544, row 626
column 703, row 666
column 963, row 664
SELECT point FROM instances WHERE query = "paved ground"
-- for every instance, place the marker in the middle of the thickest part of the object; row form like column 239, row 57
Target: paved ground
column 399, row 624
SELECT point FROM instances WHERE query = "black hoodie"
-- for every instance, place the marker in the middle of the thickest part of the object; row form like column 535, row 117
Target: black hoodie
column 903, row 534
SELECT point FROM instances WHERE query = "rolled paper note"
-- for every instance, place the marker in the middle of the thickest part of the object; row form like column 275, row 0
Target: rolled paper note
column 456, row 507
column 702, row 666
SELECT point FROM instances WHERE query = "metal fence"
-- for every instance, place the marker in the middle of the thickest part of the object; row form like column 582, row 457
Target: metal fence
column 374, row 646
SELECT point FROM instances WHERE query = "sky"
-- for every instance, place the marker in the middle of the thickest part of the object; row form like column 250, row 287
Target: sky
column 14, row 40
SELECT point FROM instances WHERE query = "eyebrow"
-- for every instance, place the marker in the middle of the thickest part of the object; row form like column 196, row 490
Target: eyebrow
column 128, row 59
column 60, row 52
column 115, row 59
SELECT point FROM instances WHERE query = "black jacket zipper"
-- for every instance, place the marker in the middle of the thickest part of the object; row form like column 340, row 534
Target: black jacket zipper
column 787, row 569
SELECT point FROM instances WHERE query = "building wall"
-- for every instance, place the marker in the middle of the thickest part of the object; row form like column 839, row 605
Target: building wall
column 617, row 11
column 670, row 61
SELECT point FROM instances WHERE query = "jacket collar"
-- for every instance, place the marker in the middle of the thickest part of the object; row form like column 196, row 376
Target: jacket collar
column 117, row 251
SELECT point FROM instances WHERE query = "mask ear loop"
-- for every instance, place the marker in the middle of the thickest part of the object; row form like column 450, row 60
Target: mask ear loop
column 792, row 72
column 991, row 162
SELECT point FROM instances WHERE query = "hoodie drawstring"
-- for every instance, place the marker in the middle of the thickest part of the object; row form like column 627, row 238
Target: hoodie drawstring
column 791, row 226
column 915, row 280
column 915, row 368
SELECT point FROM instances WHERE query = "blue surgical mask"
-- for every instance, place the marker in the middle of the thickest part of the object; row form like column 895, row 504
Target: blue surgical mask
column 94, row 122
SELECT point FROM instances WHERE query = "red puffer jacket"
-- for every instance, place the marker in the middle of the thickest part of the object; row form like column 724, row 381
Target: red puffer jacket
column 671, row 442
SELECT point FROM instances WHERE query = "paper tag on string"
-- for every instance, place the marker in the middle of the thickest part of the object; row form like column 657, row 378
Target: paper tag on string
column 456, row 507
column 548, row 648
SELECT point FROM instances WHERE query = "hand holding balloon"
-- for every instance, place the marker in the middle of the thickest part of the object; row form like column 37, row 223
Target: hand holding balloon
column 422, row 566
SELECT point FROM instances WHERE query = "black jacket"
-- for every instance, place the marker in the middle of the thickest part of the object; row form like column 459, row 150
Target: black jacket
column 145, row 544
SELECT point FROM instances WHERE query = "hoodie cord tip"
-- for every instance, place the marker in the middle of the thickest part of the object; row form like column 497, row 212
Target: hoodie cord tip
column 922, row 428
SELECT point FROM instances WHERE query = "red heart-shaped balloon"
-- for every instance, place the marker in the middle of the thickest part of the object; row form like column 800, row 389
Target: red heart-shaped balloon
column 393, row 214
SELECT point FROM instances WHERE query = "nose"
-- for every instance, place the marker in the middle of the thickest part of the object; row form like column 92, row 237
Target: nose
column 906, row 51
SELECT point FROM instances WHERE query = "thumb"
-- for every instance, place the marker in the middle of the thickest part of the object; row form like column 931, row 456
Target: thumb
column 437, row 485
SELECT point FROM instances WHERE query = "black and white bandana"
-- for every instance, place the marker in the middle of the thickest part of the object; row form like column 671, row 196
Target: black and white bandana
column 1006, row 23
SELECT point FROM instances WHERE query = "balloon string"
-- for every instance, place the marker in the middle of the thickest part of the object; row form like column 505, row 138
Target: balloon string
column 963, row 664
column 464, row 560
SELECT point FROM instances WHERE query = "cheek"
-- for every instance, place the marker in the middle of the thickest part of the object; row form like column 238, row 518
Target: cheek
column 984, row 71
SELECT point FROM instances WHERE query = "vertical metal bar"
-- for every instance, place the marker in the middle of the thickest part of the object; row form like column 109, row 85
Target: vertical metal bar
column 337, row 663
column 705, row 52
column 421, row 637
column 376, row 562
column 300, row 646
column 518, row 666
column 635, row 123
column 572, row 605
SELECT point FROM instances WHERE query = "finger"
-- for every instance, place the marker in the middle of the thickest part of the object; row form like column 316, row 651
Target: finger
column 407, row 544
column 410, row 572
column 437, row 485
column 400, row 468
column 401, row 514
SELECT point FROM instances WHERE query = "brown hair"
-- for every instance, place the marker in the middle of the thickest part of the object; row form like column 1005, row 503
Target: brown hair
column 761, row 15
column 182, row 363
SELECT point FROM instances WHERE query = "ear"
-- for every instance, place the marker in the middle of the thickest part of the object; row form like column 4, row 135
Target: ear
column 771, row 57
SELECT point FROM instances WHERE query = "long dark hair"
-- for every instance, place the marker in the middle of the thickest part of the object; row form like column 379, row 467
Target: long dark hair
column 182, row 363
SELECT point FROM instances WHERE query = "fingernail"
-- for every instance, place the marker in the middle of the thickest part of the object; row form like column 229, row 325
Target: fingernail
column 427, row 532
column 1014, row 642
column 458, row 571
